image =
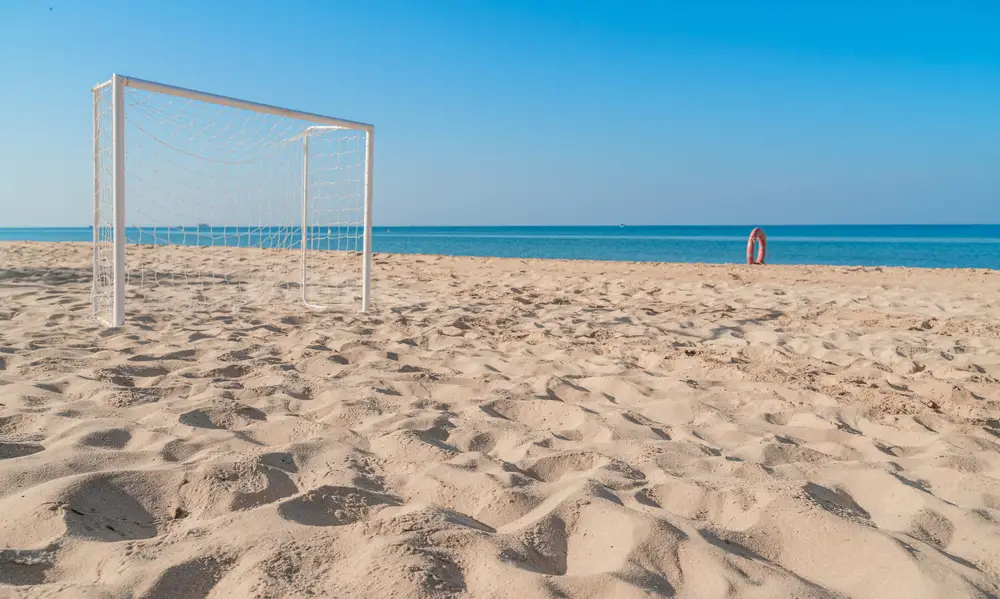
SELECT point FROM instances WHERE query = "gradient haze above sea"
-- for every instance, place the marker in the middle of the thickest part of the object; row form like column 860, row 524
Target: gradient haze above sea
column 935, row 246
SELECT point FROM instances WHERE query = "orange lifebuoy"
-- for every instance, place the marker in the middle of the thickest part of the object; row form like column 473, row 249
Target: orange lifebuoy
column 756, row 235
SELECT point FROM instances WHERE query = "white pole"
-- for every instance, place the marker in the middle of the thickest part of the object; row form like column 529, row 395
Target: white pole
column 305, row 211
column 97, row 199
column 366, row 290
column 191, row 94
column 118, row 190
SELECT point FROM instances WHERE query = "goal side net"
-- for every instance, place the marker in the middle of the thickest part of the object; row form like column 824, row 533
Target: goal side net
column 203, row 202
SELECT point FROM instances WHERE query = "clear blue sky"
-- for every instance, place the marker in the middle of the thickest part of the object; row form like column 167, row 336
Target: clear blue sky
column 557, row 112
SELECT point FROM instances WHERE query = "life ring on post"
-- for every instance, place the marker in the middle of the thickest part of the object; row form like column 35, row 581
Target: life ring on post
column 757, row 235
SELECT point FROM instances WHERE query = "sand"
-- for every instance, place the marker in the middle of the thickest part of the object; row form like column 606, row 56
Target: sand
column 506, row 428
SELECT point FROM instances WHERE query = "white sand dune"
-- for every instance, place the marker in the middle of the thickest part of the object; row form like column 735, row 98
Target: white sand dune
column 506, row 428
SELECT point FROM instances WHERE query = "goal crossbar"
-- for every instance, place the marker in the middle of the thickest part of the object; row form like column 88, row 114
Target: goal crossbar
column 117, row 85
column 190, row 94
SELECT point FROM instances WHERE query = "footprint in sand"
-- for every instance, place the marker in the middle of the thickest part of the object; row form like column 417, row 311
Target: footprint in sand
column 838, row 502
column 136, row 371
column 232, row 371
column 184, row 355
column 24, row 567
column 333, row 506
column 109, row 509
column 597, row 539
column 538, row 413
column 225, row 487
column 16, row 426
column 115, row 438
column 125, row 375
column 226, row 416
column 611, row 472
column 192, row 578
column 933, row 528
column 9, row 451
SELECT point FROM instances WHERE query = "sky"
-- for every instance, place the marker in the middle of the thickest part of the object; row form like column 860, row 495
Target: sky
column 532, row 112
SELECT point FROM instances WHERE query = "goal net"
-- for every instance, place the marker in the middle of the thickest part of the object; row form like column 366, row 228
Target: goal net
column 203, row 202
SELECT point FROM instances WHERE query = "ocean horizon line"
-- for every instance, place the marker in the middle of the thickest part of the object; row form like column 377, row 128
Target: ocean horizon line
column 931, row 246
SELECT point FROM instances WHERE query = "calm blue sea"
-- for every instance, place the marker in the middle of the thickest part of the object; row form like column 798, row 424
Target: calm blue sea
column 975, row 246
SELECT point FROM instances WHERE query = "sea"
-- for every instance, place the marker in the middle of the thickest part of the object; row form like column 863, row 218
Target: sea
column 928, row 246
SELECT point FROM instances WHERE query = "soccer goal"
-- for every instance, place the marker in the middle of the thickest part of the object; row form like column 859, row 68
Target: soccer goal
column 208, row 202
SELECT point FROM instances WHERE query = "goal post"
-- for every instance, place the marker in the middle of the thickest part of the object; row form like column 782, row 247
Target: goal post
column 208, row 201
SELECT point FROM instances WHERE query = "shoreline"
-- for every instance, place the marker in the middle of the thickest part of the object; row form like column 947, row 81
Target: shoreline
column 577, row 261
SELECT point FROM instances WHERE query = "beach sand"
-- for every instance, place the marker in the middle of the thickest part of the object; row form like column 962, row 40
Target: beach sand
column 505, row 428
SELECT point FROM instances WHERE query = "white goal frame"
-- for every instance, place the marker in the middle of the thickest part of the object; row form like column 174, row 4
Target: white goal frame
column 118, row 84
